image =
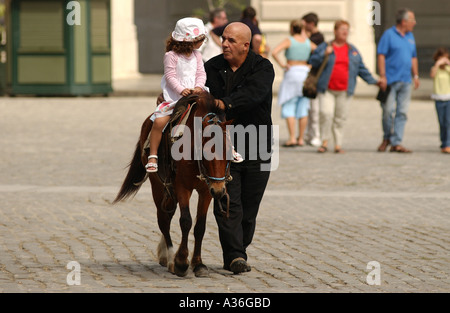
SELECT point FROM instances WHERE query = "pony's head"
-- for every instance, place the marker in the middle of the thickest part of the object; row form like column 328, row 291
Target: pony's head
column 217, row 154
column 214, row 167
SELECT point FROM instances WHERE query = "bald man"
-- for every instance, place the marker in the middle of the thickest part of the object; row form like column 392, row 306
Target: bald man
column 241, row 81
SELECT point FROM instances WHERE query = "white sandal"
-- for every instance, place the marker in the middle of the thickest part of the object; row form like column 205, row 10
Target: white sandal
column 152, row 165
column 237, row 157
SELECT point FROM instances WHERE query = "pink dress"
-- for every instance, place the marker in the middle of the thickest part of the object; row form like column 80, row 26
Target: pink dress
column 180, row 72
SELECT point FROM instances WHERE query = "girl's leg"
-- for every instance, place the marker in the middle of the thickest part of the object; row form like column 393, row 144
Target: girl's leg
column 155, row 137
column 440, row 110
column 447, row 124
column 446, row 130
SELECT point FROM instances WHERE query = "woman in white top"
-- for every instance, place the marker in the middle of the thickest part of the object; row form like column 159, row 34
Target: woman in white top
column 297, row 48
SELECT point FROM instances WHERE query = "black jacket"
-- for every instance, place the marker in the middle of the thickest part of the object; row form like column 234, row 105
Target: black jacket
column 248, row 99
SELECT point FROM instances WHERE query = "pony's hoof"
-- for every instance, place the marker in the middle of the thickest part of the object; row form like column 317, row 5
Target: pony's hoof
column 181, row 270
column 163, row 262
column 201, row 270
column 171, row 268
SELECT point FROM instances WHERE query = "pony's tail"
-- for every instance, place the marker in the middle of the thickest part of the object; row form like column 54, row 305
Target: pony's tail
column 136, row 174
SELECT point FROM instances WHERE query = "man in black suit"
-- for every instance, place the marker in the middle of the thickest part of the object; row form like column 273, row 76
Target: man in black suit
column 241, row 81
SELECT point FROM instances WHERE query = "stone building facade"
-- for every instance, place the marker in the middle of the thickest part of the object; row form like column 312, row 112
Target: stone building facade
column 139, row 27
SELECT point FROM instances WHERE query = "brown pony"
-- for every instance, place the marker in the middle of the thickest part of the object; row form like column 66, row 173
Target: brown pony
column 175, row 181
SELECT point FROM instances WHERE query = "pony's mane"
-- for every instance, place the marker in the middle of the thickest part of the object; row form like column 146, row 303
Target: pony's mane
column 208, row 105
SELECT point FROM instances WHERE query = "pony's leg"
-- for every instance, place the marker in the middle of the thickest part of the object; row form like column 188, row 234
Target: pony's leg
column 165, row 247
column 165, row 214
column 200, row 270
column 162, row 252
column 181, row 257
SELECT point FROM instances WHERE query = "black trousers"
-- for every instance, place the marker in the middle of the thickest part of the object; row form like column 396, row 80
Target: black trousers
column 246, row 191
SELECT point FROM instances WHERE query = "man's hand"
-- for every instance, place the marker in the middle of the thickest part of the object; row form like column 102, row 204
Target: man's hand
column 382, row 82
column 415, row 71
column 416, row 82
column 220, row 104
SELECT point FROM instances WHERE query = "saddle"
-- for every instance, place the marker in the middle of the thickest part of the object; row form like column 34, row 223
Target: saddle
column 171, row 133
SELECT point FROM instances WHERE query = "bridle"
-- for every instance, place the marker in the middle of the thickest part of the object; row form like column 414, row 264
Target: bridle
column 214, row 120
column 208, row 179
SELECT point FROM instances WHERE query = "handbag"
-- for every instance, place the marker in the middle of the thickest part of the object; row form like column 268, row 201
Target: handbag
column 383, row 95
column 310, row 83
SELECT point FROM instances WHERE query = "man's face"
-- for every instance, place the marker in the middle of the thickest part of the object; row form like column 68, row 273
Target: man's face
column 221, row 19
column 308, row 26
column 410, row 22
column 234, row 45
column 342, row 32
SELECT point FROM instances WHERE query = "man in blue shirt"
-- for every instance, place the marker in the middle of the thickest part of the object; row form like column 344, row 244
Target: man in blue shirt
column 397, row 60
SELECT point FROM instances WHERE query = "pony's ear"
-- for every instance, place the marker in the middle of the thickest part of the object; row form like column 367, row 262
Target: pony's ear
column 192, row 98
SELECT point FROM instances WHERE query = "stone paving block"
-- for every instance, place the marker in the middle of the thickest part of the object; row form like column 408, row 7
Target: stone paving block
column 322, row 220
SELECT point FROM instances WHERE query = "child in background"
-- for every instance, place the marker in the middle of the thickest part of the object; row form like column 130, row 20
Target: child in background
column 440, row 72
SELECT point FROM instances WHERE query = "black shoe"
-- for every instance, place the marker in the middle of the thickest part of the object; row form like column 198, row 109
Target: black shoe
column 239, row 265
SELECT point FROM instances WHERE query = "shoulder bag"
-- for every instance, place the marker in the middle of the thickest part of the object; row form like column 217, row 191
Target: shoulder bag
column 310, row 83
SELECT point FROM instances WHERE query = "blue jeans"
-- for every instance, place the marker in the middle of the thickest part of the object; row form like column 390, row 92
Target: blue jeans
column 443, row 112
column 394, row 118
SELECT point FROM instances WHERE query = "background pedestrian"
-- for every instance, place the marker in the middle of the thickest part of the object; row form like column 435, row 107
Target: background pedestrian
column 397, row 58
column 312, row 137
column 295, row 106
column 337, row 83
column 440, row 73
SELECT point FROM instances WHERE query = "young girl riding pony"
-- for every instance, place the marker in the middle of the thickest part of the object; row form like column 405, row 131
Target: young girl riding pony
column 184, row 74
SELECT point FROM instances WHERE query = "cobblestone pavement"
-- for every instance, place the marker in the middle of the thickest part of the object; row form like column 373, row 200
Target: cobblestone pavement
column 322, row 220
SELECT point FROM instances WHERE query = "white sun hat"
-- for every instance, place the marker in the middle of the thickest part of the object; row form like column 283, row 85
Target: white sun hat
column 188, row 29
